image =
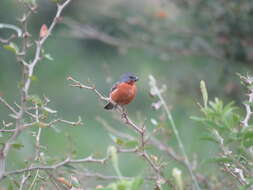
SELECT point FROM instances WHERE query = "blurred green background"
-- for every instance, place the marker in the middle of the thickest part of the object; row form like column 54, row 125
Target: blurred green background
column 179, row 42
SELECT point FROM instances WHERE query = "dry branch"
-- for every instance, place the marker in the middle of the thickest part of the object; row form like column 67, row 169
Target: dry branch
column 27, row 73
column 68, row 160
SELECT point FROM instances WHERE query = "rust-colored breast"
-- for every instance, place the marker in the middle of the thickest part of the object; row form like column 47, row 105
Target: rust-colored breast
column 124, row 93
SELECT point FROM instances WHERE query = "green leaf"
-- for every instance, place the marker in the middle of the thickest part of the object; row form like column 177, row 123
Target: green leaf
column 209, row 138
column 35, row 99
column 106, row 188
column 17, row 146
column 248, row 139
column 10, row 186
column 48, row 57
column 137, row 183
column 119, row 141
column 219, row 160
column 12, row 47
column 34, row 78
column 197, row 118
column 130, row 144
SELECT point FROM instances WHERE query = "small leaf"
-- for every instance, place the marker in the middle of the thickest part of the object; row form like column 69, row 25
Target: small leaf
column 35, row 99
column 119, row 141
column 136, row 184
column 130, row 144
column 219, row 160
column 17, row 146
column 48, row 57
column 74, row 181
column 33, row 78
column 43, row 31
column 153, row 121
column 49, row 110
column 12, row 47
column 10, row 186
column 197, row 118
column 209, row 138
column 248, row 139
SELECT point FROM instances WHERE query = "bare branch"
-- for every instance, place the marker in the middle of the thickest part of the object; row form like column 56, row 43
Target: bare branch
column 8, row 130
column 13, row 27
column 93, row 88
column 89, row 159
column 129, row 122
column 73, row 123
column 8, row 105
column 27, row 72
column 7, row 40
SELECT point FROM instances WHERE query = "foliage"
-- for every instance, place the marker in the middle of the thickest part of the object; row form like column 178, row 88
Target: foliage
column 226, row 128
column 226, row 24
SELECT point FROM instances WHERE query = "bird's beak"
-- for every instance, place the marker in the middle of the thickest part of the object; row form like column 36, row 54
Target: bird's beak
column 136, row 79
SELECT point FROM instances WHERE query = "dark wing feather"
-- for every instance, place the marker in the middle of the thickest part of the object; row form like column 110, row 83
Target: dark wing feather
column 114, row 86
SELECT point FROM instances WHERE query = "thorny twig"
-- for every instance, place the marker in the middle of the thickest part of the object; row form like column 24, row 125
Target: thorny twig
column 27, row 73
column 68, row 160
column 236, row 172
column 93, row 88
column 249, row 81
column 4, row 102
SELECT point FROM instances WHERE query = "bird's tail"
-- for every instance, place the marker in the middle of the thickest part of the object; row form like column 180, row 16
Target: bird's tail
column 109, row 106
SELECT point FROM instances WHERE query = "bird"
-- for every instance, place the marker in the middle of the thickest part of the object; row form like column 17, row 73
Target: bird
column 123, row 91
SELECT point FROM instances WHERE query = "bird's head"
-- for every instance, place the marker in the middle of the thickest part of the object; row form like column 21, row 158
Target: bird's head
column 129, row 78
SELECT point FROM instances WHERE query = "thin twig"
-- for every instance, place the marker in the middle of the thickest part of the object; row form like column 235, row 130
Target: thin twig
column 8, row 105
column 93, row 88
column 24, row 179
column 89, row 159
column 8, row 130
column 13, row 27
column 249, row 81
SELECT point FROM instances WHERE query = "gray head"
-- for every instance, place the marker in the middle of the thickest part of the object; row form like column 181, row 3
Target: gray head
column 128, row 77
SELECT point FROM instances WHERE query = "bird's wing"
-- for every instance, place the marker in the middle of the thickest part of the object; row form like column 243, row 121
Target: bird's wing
column 114, row 86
